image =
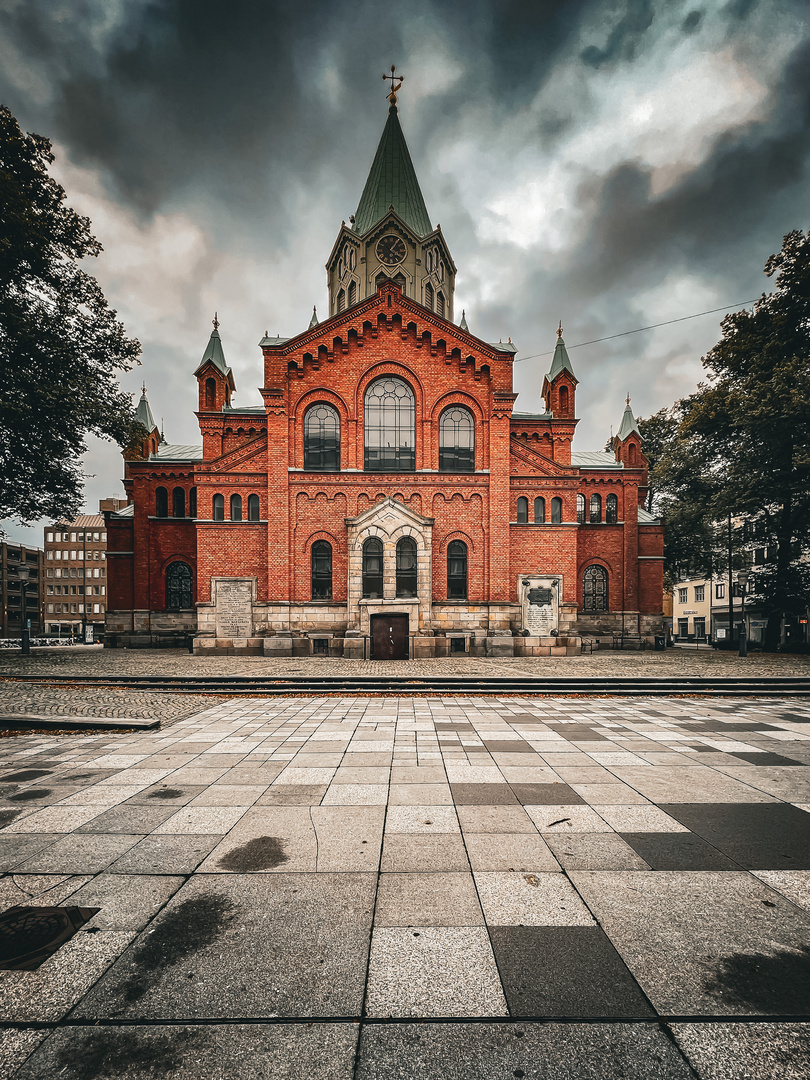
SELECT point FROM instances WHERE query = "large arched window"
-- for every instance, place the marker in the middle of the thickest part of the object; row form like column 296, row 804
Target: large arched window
column 406, row 568
column 611, row 509
column 522, row 510
column 178, row 503
column 539, row 510
column 580, row 509
column 253, row 507
column 456, row 570
column 556, row 511
column 161, row 502
column 596, row 509
column 594, row 589
column 179, row 586
column 321, row 570
column 219, row 507
column 236, row 507
column 373, row 569
column 322, row 438
column 390, row 421
column 456, row 440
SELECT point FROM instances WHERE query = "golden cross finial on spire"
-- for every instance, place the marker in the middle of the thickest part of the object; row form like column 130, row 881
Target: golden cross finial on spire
column 392, row 97
column 215, row 320
column 559, row 330
column 143, row 388
column 627, row 399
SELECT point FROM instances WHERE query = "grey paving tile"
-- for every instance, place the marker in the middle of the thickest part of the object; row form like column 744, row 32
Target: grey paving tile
column 267, row 838
column 413, row 852
column 166, row 794
column 427, row 899
column 421, row 819
column 566, row 819
column 491, row 819
column 293, row 795
column 127, row 901
column 349, row 838
column 595, row 851
column 742, row 1051
column 88, row 853
column 556, row 794
column 199, row 1052
column 534, row 899
column 509, row 851
column 433, row 971
column 127, row 818
column 645, row 818
column 706, row 942
column 564, row 971
column 673, row 851
column 178, row 854
column 419, row 795
column 202, row 819
column 485, row 1051
column 759, row 837
column 482, row 794
column 688, row 784
column 794, row 884
column 356, row 795
column 418, row 774
column 247, row 945
column 16, row 1044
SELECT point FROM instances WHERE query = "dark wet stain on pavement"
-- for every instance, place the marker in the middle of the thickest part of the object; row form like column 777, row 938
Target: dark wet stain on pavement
column 7, row 816
column 30, row 794
column 778, row 983
column 25, row 775
column 260, row 853
column 111, row 1054
column 166, row 793
column 181, row 934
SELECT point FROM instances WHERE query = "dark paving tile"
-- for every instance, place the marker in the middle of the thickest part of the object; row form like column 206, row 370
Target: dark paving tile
column 594, row 851
column 169, row 854
column 74, row 854
column 199, row 1052
column 16, row 849
column 758, row 836
column 23, row 776
column 742, row 1051
column 677, row 851
column 482, row 794
column 247, row 945
column 86, row 777
column 546, row 795
column 491, row 1051
column 508, row 746
column 564, row 971
column 128, row 819
column 765, row 758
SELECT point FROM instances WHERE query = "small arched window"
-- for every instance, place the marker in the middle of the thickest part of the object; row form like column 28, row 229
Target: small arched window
column 322, row 438
column 179, row 586
column 210, row 394
column 253, row 507
column 522, row 510
column 406, row 568
column 341, row 300
column 321, row 570
column 373, row 569
column 440, row 303
column 236, row 507
column 428, row 296
column 539, row 510
column 596, row 509
column 219, row 507
column 192, row 503
column 594, row 589
column 178, row 503
column 352, row 294
column 611, row 509
column 631, row 453
column 456, row 440
column 161, row 502
column 456, row 570
column 563, row 401
column 580, row 509
column 556, row 511
column 390, row 422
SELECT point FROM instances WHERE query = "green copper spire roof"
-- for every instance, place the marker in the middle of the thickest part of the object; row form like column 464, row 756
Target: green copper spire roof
column 392, row 182
column 213, row 351
column 463, row 324
column 313, row 322
column 560, row 362
column 143, row 414
column 628, row 424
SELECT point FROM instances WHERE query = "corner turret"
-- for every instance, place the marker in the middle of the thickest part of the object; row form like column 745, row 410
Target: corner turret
column 560, row 384
column 627, row 442
column 214, row 377
column 151, row 441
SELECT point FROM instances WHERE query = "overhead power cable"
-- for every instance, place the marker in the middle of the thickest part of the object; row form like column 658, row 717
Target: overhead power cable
column 640, row 329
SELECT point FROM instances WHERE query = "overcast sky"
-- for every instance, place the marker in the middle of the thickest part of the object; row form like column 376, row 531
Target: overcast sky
column 610, row 164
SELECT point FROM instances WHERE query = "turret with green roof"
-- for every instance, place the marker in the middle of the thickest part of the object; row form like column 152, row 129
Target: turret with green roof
column 559, row 385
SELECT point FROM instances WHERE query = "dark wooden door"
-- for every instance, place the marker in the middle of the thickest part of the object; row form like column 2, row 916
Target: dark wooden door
column 389, row 637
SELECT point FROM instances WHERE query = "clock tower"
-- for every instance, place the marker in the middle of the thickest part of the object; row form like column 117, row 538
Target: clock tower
column 390, row 237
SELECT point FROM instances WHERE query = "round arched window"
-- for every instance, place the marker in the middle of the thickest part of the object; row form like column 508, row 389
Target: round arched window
column 594, row 589
column 456, row 440
column 322, row 438
column 390, row 415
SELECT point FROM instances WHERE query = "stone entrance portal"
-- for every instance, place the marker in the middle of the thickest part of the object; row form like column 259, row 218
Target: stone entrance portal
column 389, row 637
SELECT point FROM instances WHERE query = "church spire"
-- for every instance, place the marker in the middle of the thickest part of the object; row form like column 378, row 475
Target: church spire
column 560, row 361
column 143, row 413
column 628, row 424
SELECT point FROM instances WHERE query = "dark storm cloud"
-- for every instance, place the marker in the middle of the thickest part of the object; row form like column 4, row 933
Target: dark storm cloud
column 624, row 36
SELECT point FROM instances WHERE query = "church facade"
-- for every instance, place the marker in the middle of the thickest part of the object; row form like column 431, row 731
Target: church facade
column 385, row 500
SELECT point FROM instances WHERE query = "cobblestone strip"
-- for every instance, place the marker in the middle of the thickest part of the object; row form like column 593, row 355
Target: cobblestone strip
column 47, row 701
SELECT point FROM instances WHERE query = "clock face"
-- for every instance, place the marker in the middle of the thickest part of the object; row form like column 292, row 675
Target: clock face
column 391, row 250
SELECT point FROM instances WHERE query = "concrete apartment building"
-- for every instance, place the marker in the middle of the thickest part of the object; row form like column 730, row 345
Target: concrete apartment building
column 75, row 560
column 21, row 603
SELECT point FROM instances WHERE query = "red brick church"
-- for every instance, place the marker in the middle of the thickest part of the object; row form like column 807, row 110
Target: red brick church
column 385, row 500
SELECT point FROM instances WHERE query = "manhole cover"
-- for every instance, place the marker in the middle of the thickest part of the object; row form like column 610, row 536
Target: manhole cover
column 29, row 935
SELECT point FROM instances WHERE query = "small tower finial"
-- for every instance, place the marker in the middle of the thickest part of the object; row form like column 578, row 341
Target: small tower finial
column 392, row 96
column 560, row 330
column 143, row 388
column 627, row 399
column 215, row 321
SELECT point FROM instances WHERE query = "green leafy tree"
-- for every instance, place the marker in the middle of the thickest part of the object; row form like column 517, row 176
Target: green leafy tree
column 60, row 343
column 749, row 426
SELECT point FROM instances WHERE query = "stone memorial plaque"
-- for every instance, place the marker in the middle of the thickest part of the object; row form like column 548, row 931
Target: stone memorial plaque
column 234, row 605
column 539, row 605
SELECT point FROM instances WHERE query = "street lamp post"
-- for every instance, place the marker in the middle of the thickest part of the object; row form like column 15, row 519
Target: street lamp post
column 23, row 574
column 742, row 579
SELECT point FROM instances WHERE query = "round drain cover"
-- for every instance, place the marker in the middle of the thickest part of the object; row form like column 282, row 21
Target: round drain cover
column 29, row 935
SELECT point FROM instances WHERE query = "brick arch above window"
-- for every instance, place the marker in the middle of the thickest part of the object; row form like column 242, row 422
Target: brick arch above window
column 330, row 538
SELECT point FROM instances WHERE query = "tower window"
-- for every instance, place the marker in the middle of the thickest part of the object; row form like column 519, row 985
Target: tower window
column 556, row 511
column 596, row 509
column 390, row 426
column 428, row 296
column 161, row 502
column 321, row 570
column 219, row 507
column 456, row 570
column 341, row 300
column 236, row 507
column 594, row 589
column 253, row 507
column 352, row 293
column 373, row 569
column 456, row 440
column 406, row 568
column 611, row 509
column 210, row 394
column 440, row 304
column 539, row 510
column 563, row 401
column 179, row 586
column 178, row 503
column 322, row 438
column 522, row 510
